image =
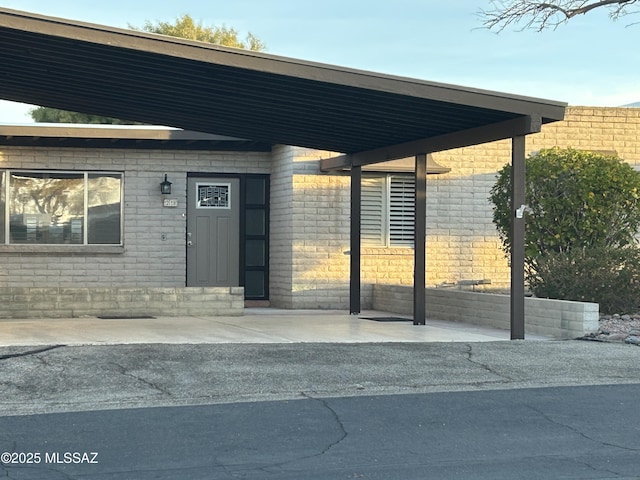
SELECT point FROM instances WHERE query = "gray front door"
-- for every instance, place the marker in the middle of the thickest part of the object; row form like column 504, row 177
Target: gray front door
column 213, row 231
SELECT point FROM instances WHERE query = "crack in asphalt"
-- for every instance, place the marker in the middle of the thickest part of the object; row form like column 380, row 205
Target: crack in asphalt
column 582, row 434
column 60, row 368
column 336, row 417
column 343, row 430
column 123, row 371
column 30, row 352
column 484, row 366
column 599, row 470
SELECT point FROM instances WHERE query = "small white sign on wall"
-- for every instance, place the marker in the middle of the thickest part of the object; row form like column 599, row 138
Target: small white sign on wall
column 170, row 202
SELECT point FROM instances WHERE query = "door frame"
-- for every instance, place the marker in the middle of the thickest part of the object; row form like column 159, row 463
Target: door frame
column 242, row 267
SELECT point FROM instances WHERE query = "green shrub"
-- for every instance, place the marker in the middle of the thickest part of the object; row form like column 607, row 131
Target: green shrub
column 575, row 199
column 581, row 228
column 606, row 275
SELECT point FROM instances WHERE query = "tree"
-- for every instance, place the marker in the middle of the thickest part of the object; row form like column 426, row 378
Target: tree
column 186, row 27
column 53, row 115
column 183, row 27
column 550, row 14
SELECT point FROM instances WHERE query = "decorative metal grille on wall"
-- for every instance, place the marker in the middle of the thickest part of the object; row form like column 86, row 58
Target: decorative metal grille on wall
column 214, row 196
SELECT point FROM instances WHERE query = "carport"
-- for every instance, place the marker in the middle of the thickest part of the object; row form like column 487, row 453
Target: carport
column 365, row 117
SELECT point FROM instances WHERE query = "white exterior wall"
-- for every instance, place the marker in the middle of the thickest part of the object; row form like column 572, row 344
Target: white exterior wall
column 309, row 232
column 281, row 228
column 309, row 216
column 321, row 212
column 462, row 241
column 145, row 260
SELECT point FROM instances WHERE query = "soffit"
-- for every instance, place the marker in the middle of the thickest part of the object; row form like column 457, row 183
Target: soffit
column 266, row 98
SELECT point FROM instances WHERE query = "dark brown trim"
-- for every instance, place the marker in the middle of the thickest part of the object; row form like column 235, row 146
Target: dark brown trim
column 465, row 138
column 419, row 240
column 354, row 260
column 517, row 237
column 404, row 165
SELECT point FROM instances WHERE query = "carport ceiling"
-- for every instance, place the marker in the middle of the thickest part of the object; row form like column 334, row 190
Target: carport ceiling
column 266, row 98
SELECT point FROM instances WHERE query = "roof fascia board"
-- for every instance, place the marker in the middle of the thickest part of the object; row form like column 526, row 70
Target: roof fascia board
column 488, row 133
column 262, row 62
column 100, row 132
column 404, row 165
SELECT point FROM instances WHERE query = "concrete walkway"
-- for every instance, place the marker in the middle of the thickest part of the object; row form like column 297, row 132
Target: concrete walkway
column 256, row 326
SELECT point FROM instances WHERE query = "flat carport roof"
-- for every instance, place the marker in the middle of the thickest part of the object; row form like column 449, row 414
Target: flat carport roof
column 202, row 87
column 269, row 99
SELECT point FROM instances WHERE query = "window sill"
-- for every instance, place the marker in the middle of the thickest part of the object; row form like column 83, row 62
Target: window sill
column 64, row 249
column 386, row 251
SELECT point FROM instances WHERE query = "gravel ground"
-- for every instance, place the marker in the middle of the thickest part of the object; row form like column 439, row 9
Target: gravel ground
column 618, row 328
column 620, row 323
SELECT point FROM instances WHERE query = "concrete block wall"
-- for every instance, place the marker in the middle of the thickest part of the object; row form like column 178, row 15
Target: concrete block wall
column 392, row 265
column 153, row 254
column 462, row 242
column 320, row 215
column 281, row 228
column 68, row 302
column 559, row 319
column 309, row 222
column 145, row 259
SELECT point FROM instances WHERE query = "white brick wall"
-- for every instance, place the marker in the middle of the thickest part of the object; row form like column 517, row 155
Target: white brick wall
column 462, row 242
column 309, row 215
column 309, row 232
column 61, row 302
column 146, row 260
column 281, row 228
column 559, row 319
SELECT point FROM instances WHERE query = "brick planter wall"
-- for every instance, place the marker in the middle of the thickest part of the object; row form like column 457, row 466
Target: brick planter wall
column 66, row 302
column 559, row 319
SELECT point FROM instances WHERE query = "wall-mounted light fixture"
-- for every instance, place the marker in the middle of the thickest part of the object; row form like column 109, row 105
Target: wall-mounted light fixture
column 165, row 186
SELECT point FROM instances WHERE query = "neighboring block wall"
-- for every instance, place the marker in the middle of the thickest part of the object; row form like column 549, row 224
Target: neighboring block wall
column 462, row 242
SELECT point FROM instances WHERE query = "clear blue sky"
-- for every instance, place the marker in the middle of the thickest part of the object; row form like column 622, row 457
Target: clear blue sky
column 589, row 61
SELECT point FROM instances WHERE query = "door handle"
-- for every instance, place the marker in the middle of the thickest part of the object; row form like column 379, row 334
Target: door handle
column 189, row 243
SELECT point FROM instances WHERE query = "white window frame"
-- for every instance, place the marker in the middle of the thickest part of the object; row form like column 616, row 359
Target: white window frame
column 387, row 218
column 85, row 174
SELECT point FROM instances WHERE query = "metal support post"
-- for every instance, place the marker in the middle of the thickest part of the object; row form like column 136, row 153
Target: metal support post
column 517, row 236
column 354, row 266
column 419, row 240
